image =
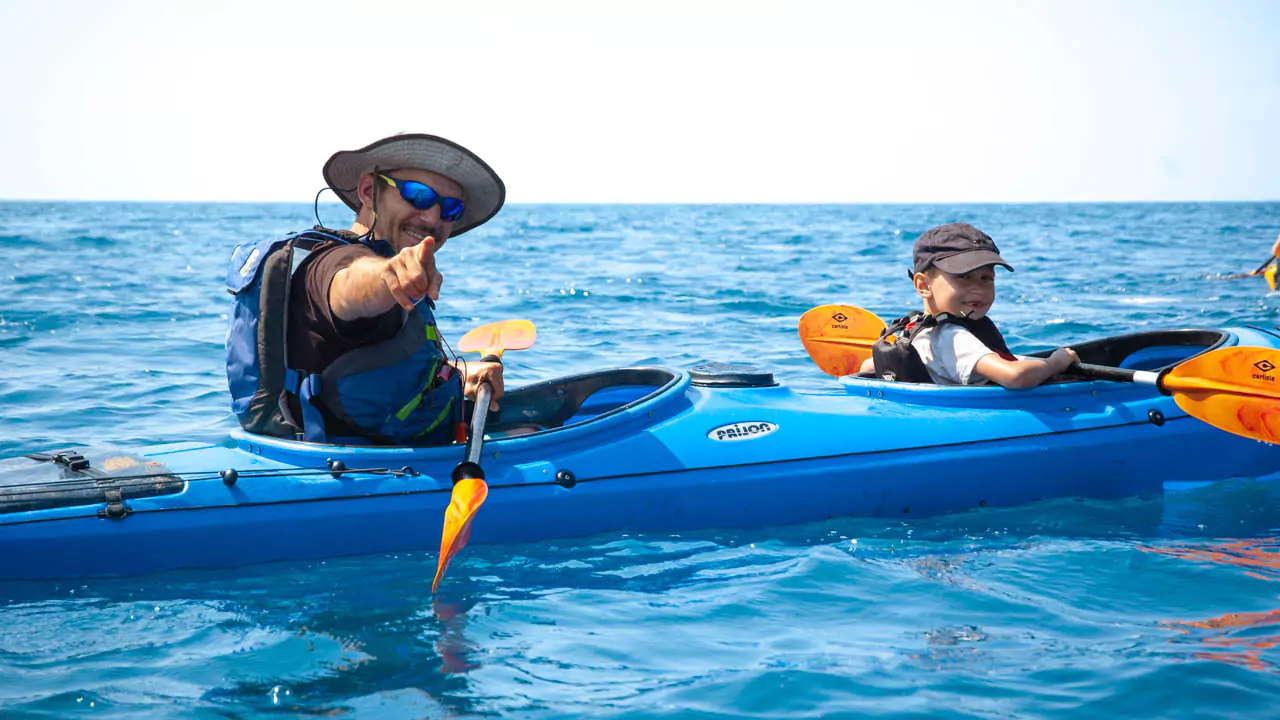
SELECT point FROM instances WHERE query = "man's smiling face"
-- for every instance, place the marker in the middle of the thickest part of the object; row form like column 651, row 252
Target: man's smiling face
column 403, row 225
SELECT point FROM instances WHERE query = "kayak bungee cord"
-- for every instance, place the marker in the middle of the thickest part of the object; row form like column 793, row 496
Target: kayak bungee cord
column 228, row 476
column 336, row 468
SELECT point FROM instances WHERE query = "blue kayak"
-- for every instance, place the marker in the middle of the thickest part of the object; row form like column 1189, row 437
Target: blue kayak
column 644, row 449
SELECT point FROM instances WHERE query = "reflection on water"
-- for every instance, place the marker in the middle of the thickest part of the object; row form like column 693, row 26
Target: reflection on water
column 1235, row 638
column 451, row 643
column 1261, row 556
column 1236, row 635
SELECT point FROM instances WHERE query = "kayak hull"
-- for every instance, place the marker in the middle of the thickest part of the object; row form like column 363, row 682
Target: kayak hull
column 667, row 454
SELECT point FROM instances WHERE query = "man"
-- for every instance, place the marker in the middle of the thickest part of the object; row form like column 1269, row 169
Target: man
column 362, row 360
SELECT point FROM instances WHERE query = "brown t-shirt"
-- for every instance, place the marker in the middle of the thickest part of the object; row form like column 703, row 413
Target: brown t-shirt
column 316, row 336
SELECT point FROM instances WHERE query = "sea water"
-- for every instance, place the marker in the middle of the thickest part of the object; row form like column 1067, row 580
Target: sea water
column 112, row 319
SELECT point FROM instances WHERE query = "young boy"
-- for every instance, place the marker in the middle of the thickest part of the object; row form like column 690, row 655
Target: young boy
column 954, row 342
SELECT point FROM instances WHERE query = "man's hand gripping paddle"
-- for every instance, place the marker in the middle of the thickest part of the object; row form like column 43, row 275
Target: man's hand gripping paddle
column 1236, row 389
column 469, row 487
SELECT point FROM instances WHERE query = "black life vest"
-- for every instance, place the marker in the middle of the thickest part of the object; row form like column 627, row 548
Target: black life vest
column 897, row 359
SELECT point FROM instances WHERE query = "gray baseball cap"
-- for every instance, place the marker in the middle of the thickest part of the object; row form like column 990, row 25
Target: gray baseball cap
column 955, row 248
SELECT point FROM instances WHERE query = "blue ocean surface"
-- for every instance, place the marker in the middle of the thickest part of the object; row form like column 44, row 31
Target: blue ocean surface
column 112, row 319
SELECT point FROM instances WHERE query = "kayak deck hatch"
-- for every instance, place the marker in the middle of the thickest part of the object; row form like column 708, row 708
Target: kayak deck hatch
column 79, row 477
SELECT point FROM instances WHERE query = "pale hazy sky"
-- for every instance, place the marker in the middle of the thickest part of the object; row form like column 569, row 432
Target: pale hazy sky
column 650, row 101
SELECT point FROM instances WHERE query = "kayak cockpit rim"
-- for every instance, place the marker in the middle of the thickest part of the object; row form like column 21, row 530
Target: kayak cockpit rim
column 538, row 410
column 1153, row 350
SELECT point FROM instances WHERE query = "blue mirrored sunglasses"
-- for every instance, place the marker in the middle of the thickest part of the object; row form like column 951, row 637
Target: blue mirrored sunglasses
column 423, row 197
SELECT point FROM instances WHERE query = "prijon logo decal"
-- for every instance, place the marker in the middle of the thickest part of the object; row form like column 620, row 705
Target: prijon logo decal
column 742, row 431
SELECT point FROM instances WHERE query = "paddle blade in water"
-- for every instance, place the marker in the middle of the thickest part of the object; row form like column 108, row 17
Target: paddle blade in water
column 1235, row 389
column 839, row 337
column 468, row 495
column 494, row 338
column 1270, row 275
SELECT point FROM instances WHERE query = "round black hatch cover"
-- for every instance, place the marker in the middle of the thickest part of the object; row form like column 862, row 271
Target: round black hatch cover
column 718, row 374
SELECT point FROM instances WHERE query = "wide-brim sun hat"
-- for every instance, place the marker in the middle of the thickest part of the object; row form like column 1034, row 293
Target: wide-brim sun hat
column 483, row 189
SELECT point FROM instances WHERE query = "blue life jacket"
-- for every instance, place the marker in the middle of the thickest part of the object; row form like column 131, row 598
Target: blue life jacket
column 397, row 391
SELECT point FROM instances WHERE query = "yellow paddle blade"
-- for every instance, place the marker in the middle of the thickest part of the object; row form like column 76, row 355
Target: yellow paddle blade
column 1234, row 389
column 1270, row 275
column 468, row 495
column 496, row 337
column 839, row 337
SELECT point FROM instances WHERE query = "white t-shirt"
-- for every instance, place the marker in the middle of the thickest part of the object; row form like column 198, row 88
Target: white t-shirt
column 950, row 353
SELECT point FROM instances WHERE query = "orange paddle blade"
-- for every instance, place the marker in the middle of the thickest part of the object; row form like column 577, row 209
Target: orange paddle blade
column 494, row 338
column 1236, row 389
column 468, row 495
column 839, row 337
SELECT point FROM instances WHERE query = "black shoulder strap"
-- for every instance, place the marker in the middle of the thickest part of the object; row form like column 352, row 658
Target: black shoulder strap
column 983, row 329
column 319, row 234
column 895, row 358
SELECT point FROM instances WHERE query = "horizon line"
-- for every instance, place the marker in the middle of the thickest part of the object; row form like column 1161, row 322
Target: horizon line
column 330, row 203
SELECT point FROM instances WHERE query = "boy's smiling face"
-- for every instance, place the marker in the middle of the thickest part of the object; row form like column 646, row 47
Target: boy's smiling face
column 969, row 295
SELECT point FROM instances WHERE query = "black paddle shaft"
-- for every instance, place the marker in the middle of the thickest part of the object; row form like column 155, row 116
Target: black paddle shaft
column 470, row 465
column 1101, row 372
column 1115, row 374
